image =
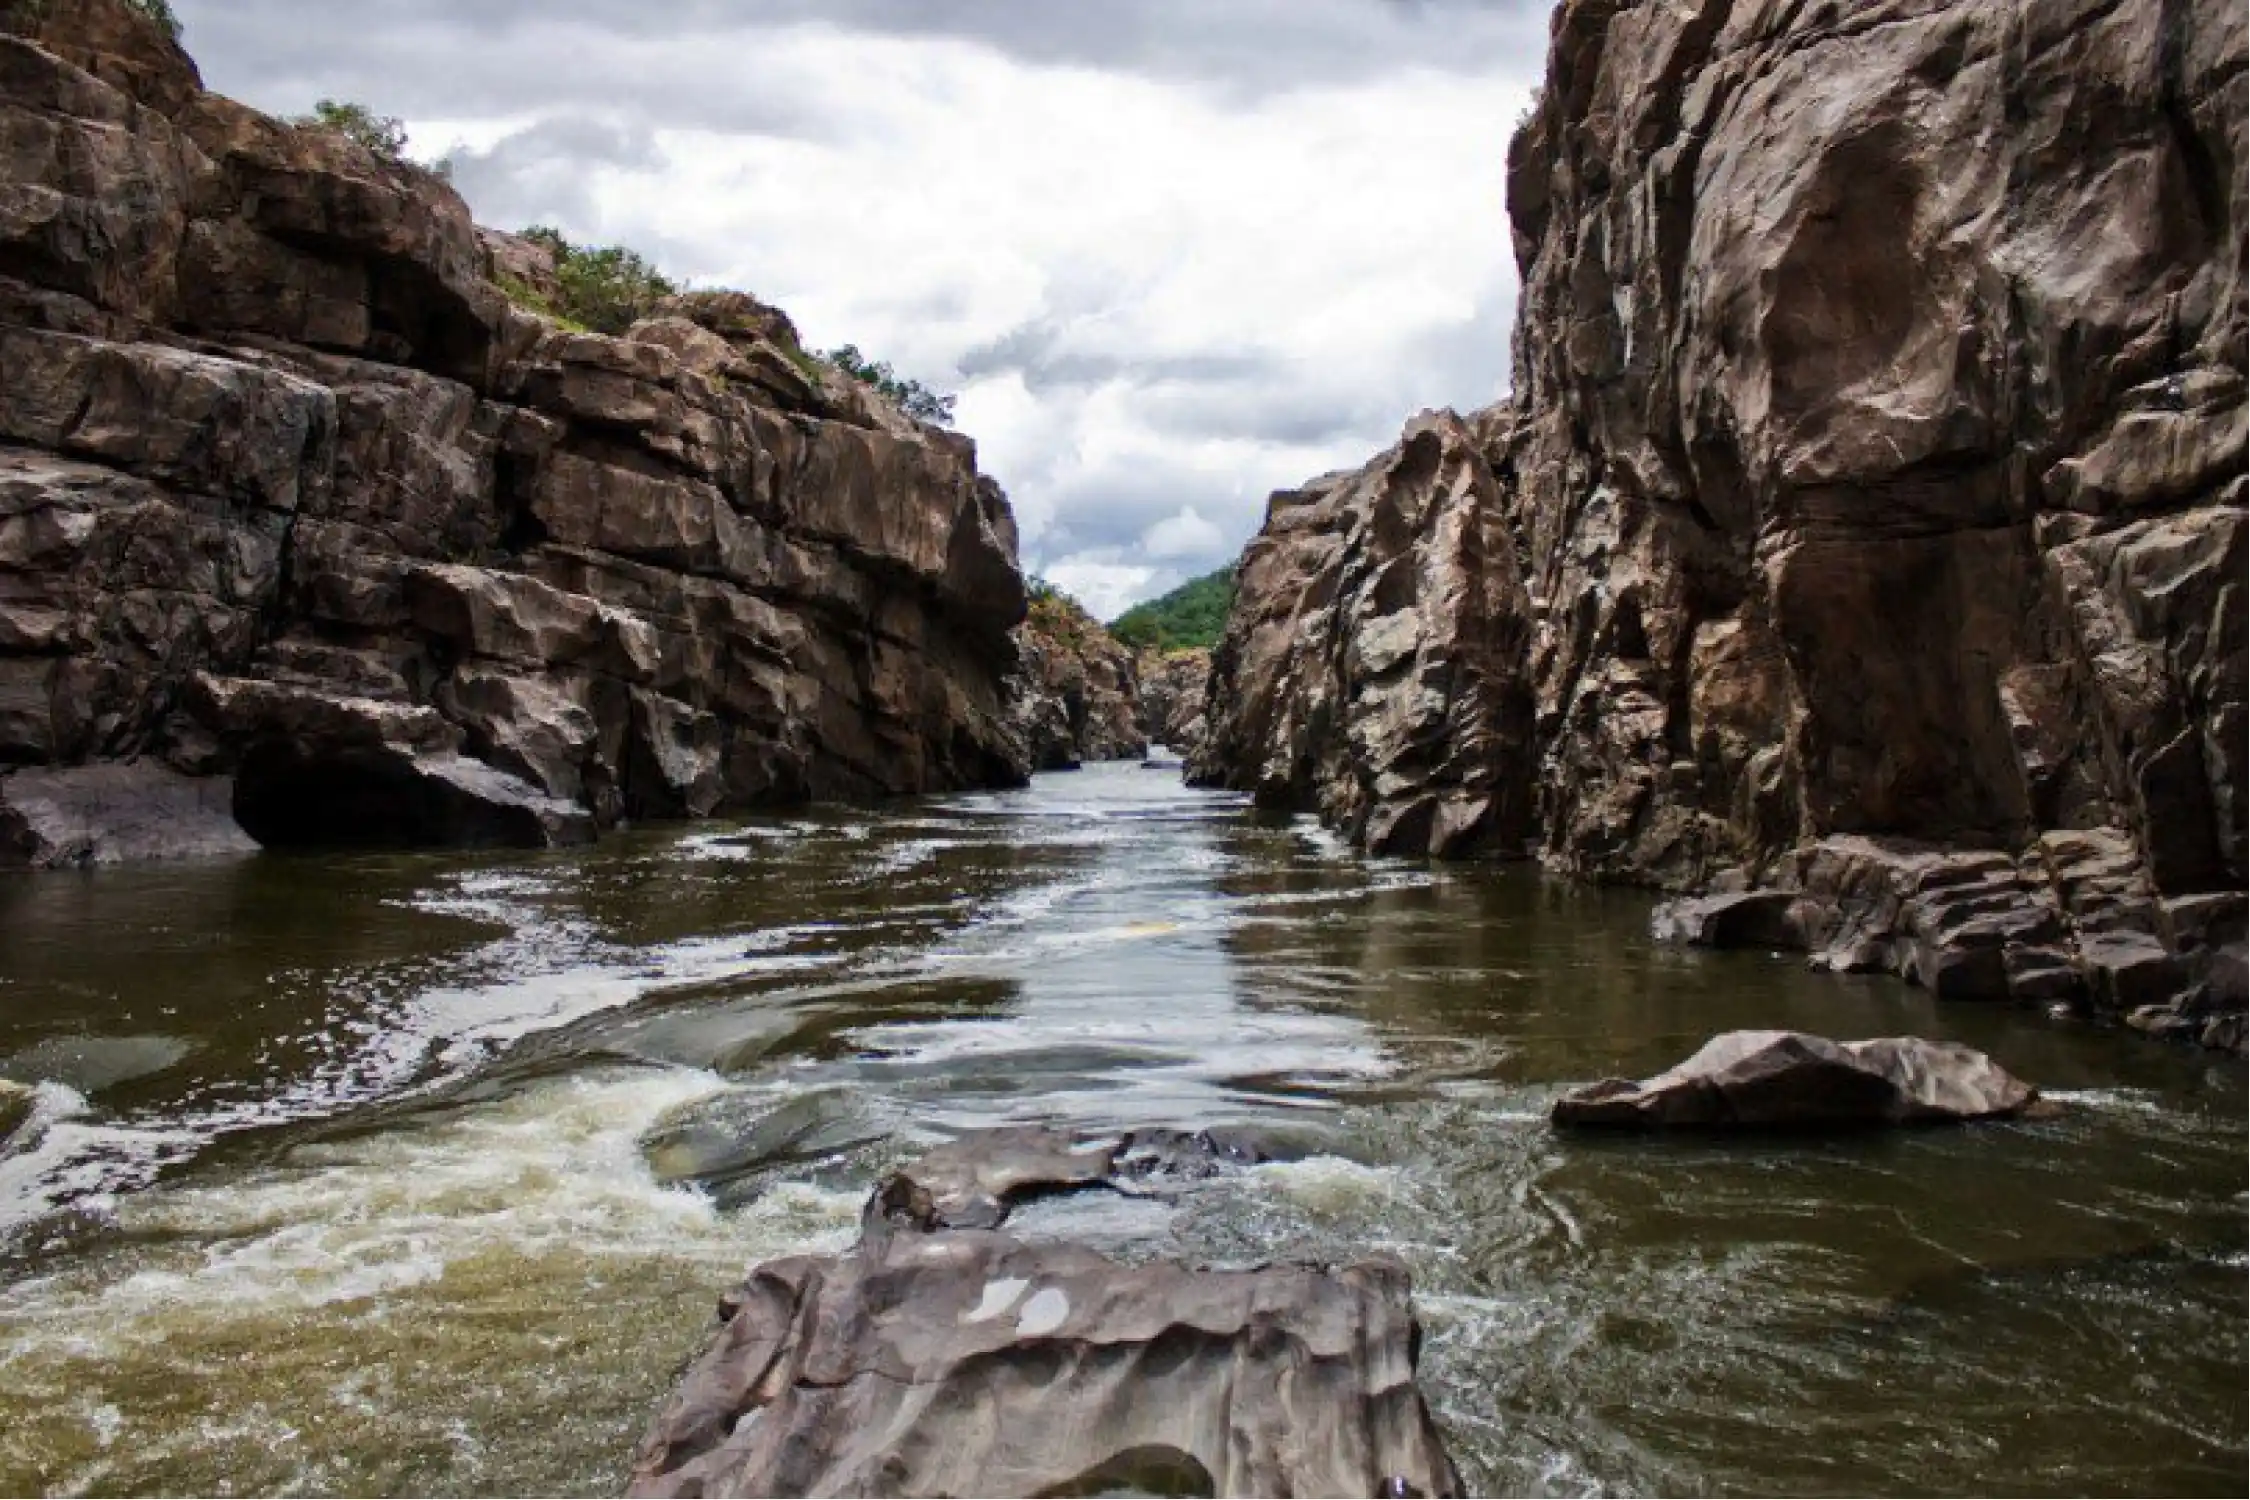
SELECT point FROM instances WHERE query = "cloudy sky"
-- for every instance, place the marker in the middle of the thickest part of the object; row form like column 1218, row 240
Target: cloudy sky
column 1172, row 254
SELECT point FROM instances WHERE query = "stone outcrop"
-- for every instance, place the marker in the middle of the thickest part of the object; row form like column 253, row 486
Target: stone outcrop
column 291, row 493
column 1373, row 665
column 1868, row 518
column 1173, row 684
column 1787, row 1080
column 1076, row 695
column 936, row 1359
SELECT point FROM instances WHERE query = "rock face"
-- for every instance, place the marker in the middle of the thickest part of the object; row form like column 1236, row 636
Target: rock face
column 1785, row 1079
column 1374, row 663
column 938, row 1359
column 1868, row 520
column 1173, row 684
column 1076, row 696
column 290, row 492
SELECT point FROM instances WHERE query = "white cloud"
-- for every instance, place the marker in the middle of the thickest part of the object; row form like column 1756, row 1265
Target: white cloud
column 1106, row 589
column 1183, row 534
column 1167, row 271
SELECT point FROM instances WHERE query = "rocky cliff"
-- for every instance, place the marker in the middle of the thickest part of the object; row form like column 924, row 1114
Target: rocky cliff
column 1173, row 684
column 1076, row 696
column 304, row 526
column 1867, row 524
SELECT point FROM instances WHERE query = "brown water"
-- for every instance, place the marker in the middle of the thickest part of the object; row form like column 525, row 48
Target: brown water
column 420, row 1174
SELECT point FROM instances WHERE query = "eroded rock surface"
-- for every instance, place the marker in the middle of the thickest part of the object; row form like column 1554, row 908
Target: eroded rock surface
column 943, row 1359
column 1788, row 1080
column 1872, row 493
column 267, row 421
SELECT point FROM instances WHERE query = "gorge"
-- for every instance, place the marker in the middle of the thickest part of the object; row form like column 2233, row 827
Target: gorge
column 575, row 918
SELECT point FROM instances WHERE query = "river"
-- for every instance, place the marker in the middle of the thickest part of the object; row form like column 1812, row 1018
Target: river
column 421, row 1173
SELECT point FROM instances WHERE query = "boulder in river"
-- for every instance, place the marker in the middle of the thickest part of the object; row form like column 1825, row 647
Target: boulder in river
column 970, row 1363
column 973, row 1182
column 1786, row 1079
column 16, row 1104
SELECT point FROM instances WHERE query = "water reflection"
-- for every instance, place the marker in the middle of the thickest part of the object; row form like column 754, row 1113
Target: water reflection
column 417, row 1173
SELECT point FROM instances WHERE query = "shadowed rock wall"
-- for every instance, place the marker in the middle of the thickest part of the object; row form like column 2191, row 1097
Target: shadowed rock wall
column 290, row 493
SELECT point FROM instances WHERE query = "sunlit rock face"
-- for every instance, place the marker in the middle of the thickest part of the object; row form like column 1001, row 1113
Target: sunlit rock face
column 290, row 492
column 1874, row 472
column 1075, row 695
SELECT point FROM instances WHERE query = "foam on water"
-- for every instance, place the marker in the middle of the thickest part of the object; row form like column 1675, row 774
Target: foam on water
column 521, row 1236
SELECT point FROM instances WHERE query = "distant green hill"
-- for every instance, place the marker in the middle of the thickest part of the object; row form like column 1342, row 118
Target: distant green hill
column 1193, row 614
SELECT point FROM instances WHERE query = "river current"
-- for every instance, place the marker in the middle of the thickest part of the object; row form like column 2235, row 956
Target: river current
column 421, row 1174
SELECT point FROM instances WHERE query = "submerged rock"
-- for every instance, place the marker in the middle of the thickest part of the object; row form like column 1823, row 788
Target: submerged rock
column 1786, row 1079
column 973, row 1182
column 970, row 1363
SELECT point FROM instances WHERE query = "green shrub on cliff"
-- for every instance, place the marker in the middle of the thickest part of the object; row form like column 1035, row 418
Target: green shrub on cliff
column 385, row 135
column 159, row 11
column 910, row 396
column 1194, row 614
column 604, row 288
column 35, row 11
column 609, row 288
column 1057, row 616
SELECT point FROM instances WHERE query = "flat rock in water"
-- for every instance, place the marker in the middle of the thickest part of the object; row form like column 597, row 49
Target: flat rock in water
column 971, row 1183
column 971, row 1363
column 1782, row 1079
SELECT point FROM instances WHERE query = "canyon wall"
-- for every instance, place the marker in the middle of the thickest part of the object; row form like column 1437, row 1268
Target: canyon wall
column 1866, row 526
column 1076, row 696
column 306, row 531
column 1173, row 684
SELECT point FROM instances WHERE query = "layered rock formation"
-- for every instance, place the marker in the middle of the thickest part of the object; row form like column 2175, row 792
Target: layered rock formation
column 1076, row 695
column 290, row 493
column 1868, row 520
column 1173, row 684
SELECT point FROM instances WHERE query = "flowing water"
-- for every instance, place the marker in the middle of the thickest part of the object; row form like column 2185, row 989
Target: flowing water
column 421, row 1173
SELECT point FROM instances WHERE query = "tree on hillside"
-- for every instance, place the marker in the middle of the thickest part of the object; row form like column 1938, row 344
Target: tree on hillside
column 385, row 135
column 605, row 288
column 1192, row 615
column 159, row 11
column 910, row 396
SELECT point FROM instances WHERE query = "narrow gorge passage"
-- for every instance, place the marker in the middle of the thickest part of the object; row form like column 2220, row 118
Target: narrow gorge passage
column 419, row 1173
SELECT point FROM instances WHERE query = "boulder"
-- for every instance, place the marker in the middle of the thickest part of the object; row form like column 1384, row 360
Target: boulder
column 17, row 1102
column 969, row 1363
column 1741, row 919
column 1788, row 1080
column 115, row 813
